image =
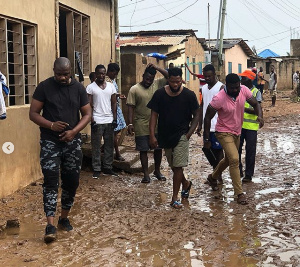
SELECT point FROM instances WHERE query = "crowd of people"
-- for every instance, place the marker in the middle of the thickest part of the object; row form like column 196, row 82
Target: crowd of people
column 162, row 114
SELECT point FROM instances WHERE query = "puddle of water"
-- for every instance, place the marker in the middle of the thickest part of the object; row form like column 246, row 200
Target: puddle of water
column 268, row 191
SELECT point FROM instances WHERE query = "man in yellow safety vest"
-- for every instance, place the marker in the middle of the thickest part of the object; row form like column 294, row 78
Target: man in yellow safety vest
column 249, row 128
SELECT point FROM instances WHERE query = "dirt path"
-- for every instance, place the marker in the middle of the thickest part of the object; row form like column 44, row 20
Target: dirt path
column 121, row 222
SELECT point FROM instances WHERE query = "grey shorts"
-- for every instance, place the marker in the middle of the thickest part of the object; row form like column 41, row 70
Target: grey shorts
column 142, row 143
column 179, row 155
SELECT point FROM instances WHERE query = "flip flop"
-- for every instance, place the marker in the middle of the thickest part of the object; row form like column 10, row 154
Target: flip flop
column 176, row 204
column 160, row 177
column 186, row 193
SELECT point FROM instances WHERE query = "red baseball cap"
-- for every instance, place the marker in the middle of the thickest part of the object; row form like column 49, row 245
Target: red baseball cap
column 249, row 74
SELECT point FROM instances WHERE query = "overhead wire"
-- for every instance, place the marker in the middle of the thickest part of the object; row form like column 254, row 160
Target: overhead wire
column 289, row 14
column 133, row 13
column 292, row 5
column 131, row 3
column 158, row 21
column 274, row 34
column 176, row 16
column 289, row 8
column 262, row 14
column 272, row 43
column 147, row 8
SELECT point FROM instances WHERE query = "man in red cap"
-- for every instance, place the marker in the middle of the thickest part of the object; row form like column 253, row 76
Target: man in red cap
column 249, row 128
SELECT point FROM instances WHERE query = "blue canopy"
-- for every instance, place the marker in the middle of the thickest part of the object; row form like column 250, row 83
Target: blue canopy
column 157, row 55
column 267, row 53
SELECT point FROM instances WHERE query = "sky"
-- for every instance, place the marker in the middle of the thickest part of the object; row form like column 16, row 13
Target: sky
column 265, row 24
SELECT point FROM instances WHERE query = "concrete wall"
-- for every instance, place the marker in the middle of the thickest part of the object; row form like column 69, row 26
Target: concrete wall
column 236, row 55
column 133, row 67
column 284, row 69
column 295, row 47
column 193, row 49
column 22, row 166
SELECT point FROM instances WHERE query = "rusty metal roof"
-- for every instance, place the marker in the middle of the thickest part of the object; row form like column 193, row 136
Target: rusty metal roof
column 152, row 40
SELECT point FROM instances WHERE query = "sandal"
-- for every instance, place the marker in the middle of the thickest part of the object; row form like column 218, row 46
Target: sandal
column 159, row 177
column 176, row 204
column 212, row 182
column 242, row 199
column 186, row 193
column 120, row 158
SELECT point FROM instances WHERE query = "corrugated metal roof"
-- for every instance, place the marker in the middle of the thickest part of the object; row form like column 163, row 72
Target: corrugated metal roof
column 267, row 53
column 151, row 40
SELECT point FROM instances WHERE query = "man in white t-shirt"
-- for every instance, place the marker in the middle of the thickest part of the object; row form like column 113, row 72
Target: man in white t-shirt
column 102, row 97
column 208, row 91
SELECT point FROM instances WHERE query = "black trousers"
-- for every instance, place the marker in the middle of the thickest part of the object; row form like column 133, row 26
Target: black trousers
column 250, row 137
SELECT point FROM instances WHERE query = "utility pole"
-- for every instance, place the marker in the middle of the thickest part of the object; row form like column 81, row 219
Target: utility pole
column 219, row 24
column 117, row 42
column 208, row 27
column 222, row 33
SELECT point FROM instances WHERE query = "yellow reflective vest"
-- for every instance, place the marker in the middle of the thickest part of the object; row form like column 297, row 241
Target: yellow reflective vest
column 250, row 120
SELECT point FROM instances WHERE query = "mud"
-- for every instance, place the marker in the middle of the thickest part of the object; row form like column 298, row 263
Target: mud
column 121, row 222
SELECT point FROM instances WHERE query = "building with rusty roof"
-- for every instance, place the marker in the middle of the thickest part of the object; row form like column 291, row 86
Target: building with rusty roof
column 180, row 46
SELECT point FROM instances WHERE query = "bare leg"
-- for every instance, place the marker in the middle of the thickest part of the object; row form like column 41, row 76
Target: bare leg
column 157, row 161
column 178, row 179
column 144, row 162
column 116, row 146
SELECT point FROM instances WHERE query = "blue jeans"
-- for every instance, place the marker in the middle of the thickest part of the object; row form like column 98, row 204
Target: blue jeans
column 107, row 132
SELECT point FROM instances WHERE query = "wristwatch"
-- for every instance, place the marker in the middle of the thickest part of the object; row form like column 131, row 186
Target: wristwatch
column 206, row 140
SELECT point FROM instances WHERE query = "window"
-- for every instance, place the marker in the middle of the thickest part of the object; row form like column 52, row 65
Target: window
column 194, row 68
column 229, row 67
column 18, row 59
column 74, row 38
column 187, row 73
column 200, row 67
column 239, row 68
column 268, row 65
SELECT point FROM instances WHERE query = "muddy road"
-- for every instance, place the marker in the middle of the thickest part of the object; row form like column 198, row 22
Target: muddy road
column 121, row 222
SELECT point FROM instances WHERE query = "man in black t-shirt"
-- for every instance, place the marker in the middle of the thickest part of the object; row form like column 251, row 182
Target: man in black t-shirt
column 177, row 110
column 61, row 98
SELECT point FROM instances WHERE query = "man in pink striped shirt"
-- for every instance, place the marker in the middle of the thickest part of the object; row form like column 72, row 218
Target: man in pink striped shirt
column 229, row 103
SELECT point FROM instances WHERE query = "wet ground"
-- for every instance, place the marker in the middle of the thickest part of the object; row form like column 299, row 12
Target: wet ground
column 121, row 222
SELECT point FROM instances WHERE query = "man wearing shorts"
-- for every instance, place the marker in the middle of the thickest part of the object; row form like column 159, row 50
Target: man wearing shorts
column 139, row 115
column 177, row 110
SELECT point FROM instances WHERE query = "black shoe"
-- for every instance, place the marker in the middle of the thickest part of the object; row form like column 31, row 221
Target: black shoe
column 110, row 172
column 96, row 175
column 64, row 224
column 50, row 233
column 247, row 179
column 146, row 180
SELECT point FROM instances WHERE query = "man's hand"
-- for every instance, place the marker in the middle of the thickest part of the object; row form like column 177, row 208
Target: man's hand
column 130, row 129
column 67, row 136
column 198, row 131
column 207, row 144
column 151, row 65
column 59, row 126
column 114, row 124
column 261, row 122
column 153, row 142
